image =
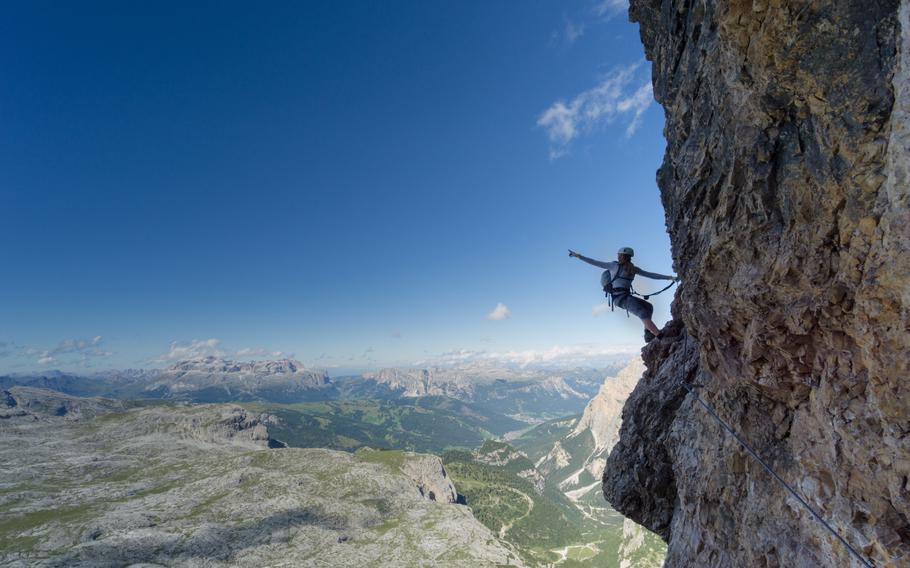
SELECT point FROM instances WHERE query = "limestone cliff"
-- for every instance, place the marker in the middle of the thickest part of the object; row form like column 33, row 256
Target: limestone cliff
column 786, row 184
column 602, row 414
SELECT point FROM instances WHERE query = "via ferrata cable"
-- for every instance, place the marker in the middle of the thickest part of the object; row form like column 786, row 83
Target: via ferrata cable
column 774, row 474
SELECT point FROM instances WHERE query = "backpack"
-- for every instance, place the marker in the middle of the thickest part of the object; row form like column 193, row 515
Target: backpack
column 606, row 281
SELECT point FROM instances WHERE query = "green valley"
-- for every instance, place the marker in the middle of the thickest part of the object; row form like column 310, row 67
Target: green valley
column 510, row 497
column 425, row 424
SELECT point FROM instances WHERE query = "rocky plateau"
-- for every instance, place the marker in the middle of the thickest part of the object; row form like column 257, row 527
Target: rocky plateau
column 90, row 482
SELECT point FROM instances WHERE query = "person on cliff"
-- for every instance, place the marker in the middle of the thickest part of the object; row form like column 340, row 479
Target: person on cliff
column 617, row 283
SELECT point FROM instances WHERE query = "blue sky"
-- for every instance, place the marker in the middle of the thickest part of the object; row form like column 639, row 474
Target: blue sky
column 357, row 184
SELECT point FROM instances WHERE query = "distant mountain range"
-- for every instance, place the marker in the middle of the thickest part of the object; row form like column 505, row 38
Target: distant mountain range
column 531, row 480
column 573, row 453
column 524, row 394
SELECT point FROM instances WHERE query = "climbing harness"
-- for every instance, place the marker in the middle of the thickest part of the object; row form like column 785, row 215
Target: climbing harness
column 779, row 479
column 614, row 294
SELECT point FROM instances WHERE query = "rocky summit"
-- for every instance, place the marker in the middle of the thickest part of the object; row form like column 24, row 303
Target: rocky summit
column 104, row 485
column 232, row 380
column 785, row 185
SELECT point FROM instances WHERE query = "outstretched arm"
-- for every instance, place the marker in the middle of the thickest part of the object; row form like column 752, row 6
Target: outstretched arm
column 597, row 263
column 654, row 275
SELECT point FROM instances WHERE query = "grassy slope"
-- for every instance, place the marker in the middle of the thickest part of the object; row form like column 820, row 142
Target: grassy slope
column 499, row 498
column 537, row 441
column 604, row 528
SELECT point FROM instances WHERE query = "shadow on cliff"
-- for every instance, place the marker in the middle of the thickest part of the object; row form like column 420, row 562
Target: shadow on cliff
column 639, row 479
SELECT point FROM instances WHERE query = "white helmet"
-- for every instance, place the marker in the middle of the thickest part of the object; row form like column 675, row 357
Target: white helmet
column 626, row 251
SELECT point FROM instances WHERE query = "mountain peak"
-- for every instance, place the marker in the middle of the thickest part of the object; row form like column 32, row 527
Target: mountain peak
column 212, row 364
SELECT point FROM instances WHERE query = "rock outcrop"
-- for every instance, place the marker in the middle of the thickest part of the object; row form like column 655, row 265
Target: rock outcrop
column 786, row 186
column 430, row 476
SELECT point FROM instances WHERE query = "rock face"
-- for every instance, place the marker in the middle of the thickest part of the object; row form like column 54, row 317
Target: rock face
column 786, row 185
column 640, row 478
column 431, row 478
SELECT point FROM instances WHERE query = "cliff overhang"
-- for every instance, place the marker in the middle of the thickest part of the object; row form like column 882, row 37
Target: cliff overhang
column 786, row 189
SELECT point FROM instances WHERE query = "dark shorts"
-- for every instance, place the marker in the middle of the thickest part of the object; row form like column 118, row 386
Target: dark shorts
column 634, row 305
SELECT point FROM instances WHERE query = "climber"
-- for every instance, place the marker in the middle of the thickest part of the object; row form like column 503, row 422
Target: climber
column 617, row 284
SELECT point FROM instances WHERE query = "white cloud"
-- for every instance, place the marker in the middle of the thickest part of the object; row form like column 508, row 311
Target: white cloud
column 611, row 99
column 499, row 313
column 573, row 31
column 74, row 351
column 86, row 347
column 609, row 8
column 557, row 356
column 261, row 352
column 639, row 103
column 600, row 309
column 195, row 348
column 570, row 32
column 181, row 350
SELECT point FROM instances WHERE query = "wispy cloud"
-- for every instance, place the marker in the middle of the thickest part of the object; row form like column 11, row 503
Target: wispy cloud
column 599, row 12
column 573, row 31
column 69, row 351
column 89, row 347
column 261, row 352
column 562, row 356
column 212, row 347
column 609, row 8
column 180, row 350
column 600, row 309
column 623, row 93
column 499, row 313
column 638, row 103
column 570, row 32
